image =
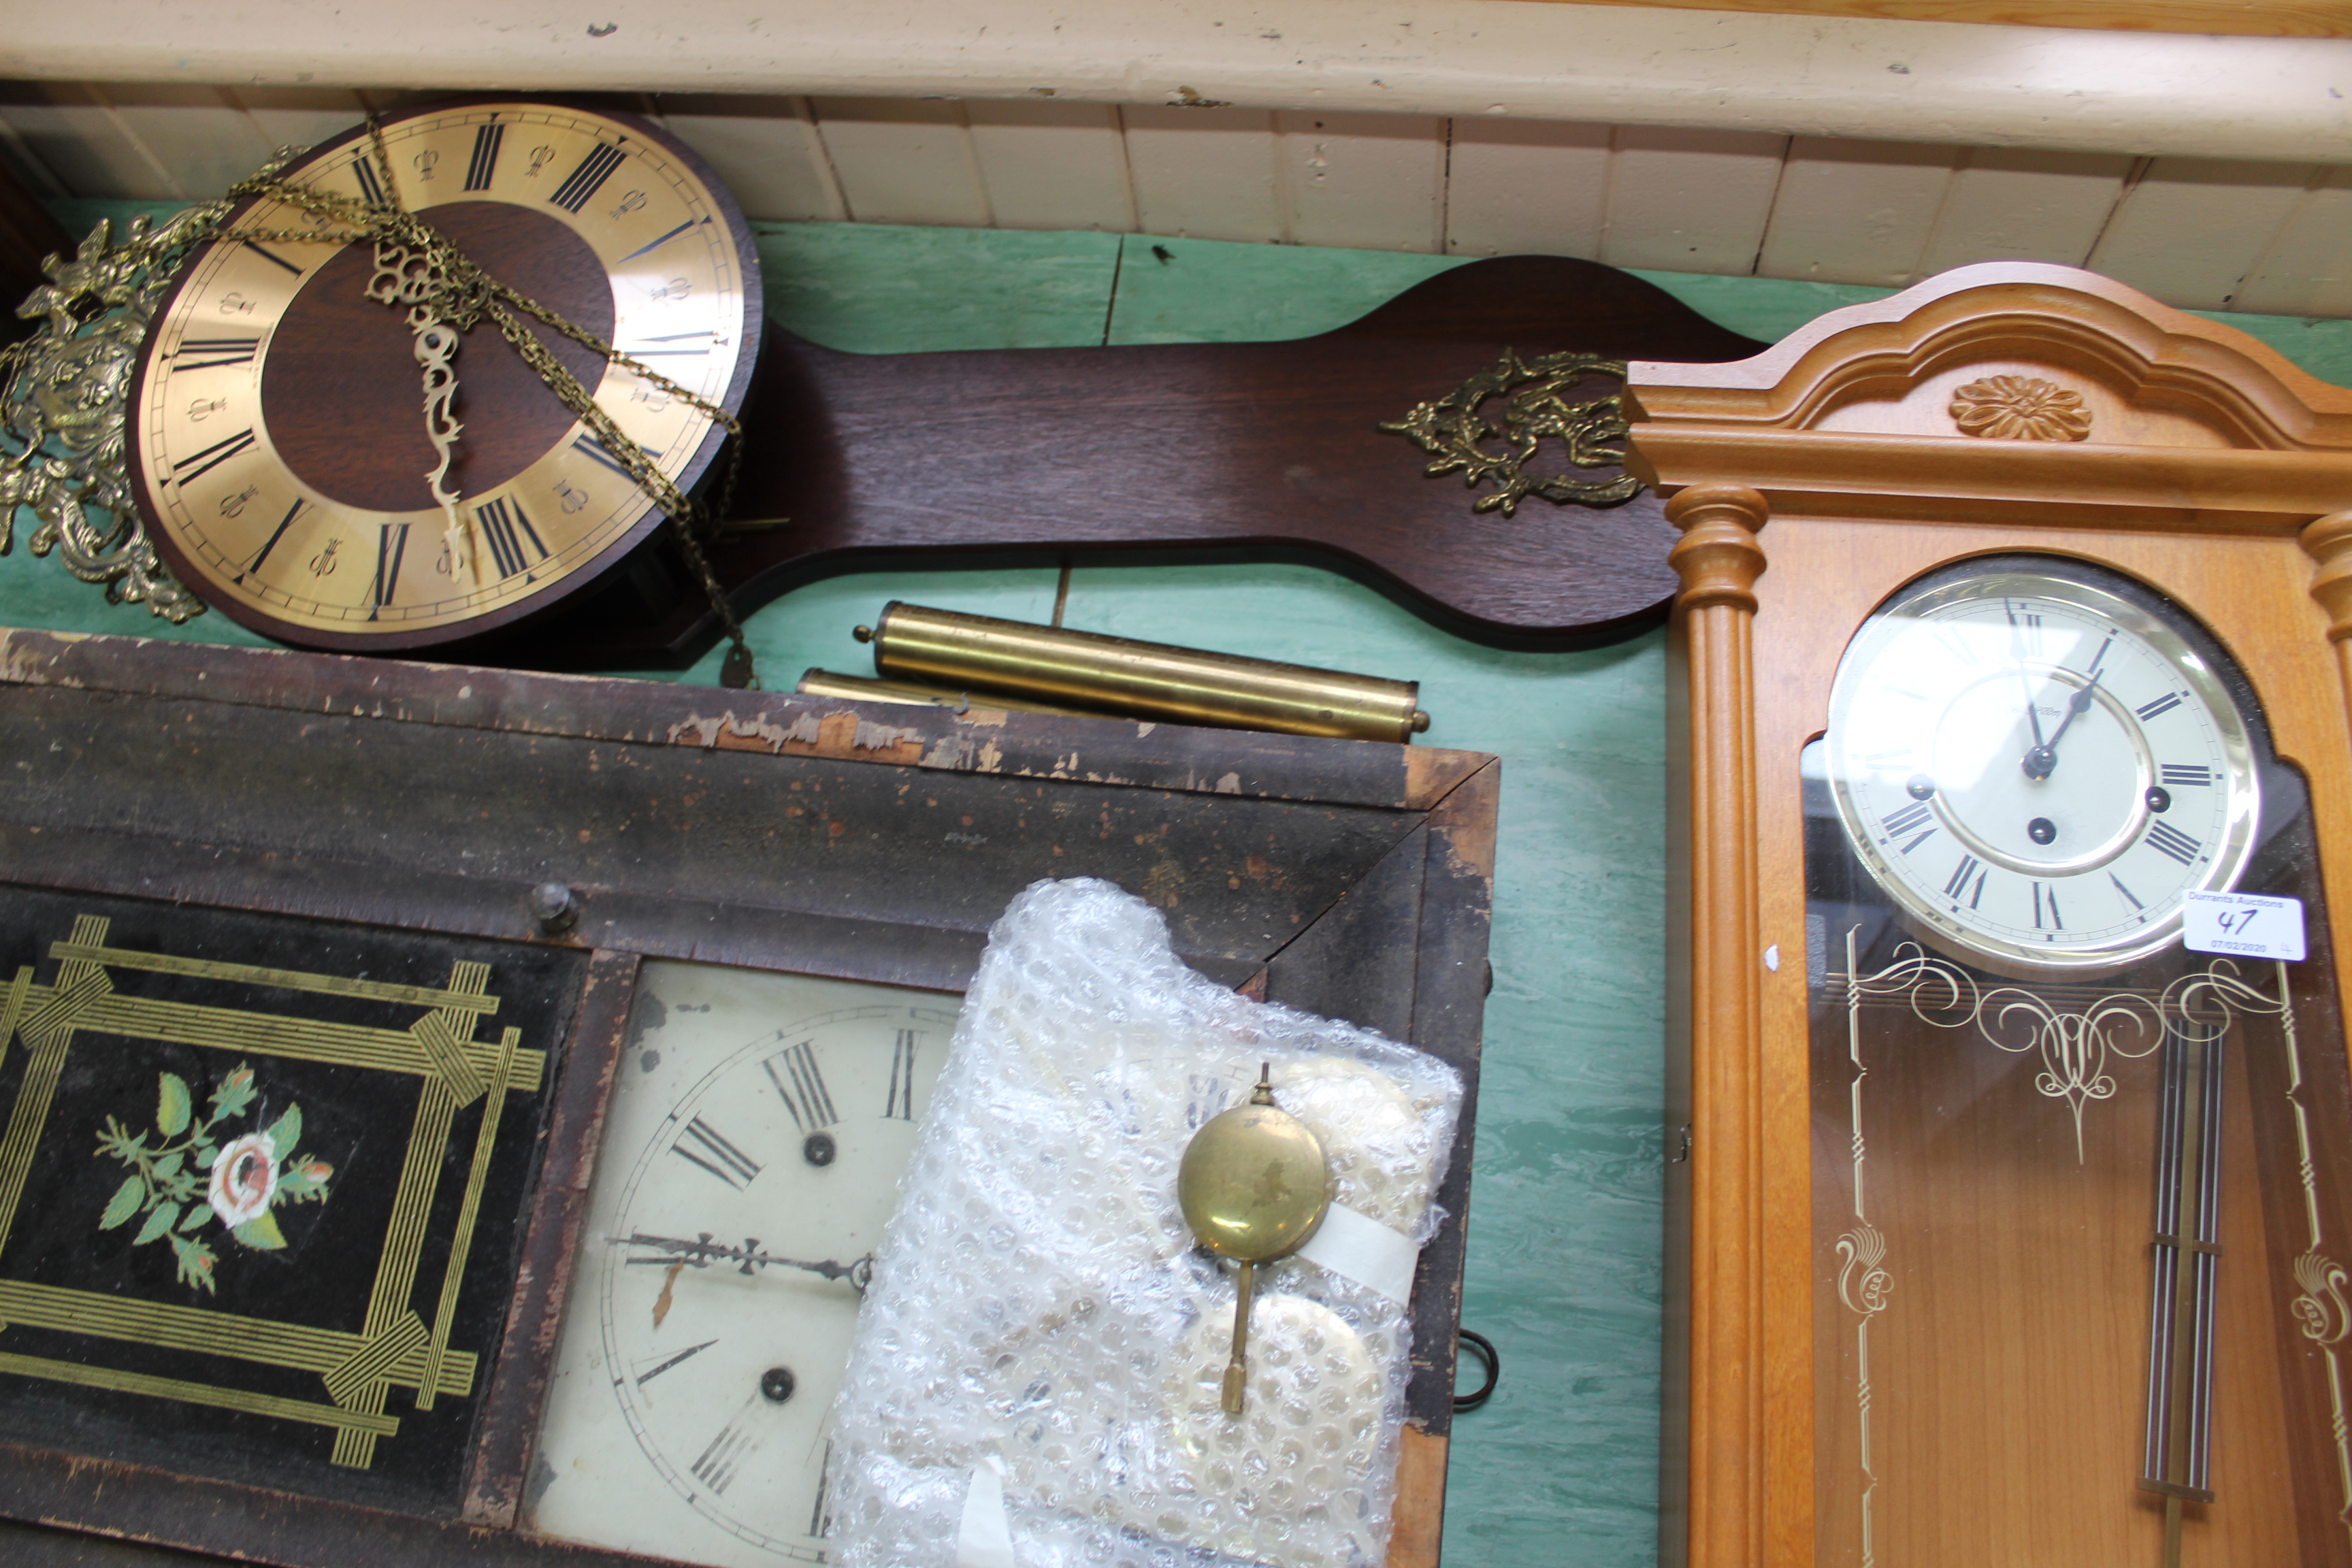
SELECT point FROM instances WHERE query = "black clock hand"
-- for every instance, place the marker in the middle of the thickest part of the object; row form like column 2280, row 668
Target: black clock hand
column 2043, row 758
column 2031, row 716
column 703, row 1252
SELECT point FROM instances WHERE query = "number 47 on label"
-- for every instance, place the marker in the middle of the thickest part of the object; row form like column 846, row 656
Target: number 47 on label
column 2248, row 925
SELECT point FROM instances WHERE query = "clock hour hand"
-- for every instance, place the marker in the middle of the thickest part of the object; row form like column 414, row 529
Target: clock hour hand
column 701, row 1252
column 2041, row 759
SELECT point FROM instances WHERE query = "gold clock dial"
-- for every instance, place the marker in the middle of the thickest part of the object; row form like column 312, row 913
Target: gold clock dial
column 2037, row 768
column 279, row 437
column 752, row 1155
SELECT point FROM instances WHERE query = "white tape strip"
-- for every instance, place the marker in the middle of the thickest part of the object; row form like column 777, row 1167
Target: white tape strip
column 1365, row 1250
column 985, row 1539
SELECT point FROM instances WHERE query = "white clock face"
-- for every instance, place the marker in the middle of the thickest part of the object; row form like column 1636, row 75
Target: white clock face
column 2036, row 768
column 757, row 1134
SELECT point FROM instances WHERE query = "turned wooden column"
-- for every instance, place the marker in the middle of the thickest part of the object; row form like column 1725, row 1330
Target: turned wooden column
column 2328, row 541
column 1718, row 561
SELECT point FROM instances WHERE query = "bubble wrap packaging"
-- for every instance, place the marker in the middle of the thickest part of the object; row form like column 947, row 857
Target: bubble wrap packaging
column 1040, row 1323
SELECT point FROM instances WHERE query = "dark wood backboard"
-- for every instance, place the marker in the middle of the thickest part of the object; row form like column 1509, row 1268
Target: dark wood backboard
column 264, row 819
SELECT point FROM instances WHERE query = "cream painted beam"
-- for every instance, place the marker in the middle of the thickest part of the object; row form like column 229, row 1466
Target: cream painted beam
column 2279, row 98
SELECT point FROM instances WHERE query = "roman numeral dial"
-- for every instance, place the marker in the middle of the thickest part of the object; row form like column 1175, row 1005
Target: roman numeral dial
column 279, row 443
column 2033, row 766
column 758, row 1130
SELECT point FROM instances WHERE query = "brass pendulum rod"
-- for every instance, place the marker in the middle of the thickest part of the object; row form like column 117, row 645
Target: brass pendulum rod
column 2176, row 1450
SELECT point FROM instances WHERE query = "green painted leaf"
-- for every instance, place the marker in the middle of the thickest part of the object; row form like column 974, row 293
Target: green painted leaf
column 260, row 1233
column 123, row 1204
column 203, row 1153
column 116, row 1139
column 197, row 1214
column 304, row 1181
column 158, row 1223
column 169, row 1165
column 287, row 1131
column 196, row 1262
column 182, row 1186
column 171, row 1108
column 234, row 1093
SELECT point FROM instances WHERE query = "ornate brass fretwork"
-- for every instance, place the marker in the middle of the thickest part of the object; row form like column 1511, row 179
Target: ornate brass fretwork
column 1535, row 405
column 61, row 441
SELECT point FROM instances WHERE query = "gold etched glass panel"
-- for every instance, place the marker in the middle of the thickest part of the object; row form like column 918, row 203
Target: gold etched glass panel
column 262, row 1187
column 2077, row 1213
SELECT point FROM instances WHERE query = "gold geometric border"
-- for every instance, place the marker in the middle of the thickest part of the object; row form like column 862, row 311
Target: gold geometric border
column 395, row 1347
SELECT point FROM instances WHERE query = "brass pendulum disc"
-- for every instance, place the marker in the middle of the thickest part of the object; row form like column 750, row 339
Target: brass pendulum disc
column 1254, row 1186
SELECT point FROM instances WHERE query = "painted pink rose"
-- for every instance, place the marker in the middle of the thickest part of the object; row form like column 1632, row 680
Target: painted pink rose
column 244, row 1177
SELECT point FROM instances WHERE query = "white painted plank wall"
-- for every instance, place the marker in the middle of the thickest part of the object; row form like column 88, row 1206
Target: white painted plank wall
column 2201, row 233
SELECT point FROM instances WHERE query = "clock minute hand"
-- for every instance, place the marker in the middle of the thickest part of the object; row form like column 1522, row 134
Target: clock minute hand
column 703, row 1251
column 2042, row 759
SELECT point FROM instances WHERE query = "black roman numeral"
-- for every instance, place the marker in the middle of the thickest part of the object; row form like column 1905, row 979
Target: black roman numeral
column 2130, row 896
column 273, row 257
column 584, row 180
column 1968, row 866
column 2174, row 775
column 1955, row 643
column 802, row 1088
column 391, row 545
column 665, row 240
column 271, row 542
column 716, row 1156
column 370, row 188
column 2164, row 704
column 635, row 353
column 901, row 1103
column 484, row 165
column 1911, row 818
column 590, row 446
column 719, row 1462
column 214, row 352
column 506, row 528
column 659, row 1367
column 820, row 1512
column 196, row 466
column 2049, row 898
column 2169, row 840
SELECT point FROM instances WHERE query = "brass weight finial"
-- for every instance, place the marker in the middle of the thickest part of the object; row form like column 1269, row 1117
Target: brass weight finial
column 1254, row 1186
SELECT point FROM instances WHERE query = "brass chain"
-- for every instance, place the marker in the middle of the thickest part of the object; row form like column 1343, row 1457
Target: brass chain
column 440, row 281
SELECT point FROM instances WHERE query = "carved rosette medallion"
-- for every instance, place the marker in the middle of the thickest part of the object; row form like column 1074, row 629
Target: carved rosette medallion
column 2021, row 408
column 1465, row 435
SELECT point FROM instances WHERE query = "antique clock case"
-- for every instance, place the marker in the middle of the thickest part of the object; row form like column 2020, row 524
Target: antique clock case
column 1987, row 1242
column 350, row 953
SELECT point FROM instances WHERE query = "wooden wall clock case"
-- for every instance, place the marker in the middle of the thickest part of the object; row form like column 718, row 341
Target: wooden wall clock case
column 1808, row 484
column 240, row 821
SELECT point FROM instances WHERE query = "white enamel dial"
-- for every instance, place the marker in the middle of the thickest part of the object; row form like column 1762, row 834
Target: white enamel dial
column 757, row 1134
column 2036, row 768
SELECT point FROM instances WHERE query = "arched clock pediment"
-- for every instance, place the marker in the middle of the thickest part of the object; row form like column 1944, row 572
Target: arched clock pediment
column 2144, row 373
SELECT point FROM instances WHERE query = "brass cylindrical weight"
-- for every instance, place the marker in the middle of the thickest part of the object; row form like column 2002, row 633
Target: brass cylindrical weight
column 865, row 688
column 1120, row 675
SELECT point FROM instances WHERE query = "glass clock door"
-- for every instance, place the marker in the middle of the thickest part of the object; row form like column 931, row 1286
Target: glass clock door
column 2078, row 1191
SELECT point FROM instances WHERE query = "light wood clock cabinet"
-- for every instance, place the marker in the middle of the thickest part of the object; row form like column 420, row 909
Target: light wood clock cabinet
column 2011, row 1205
